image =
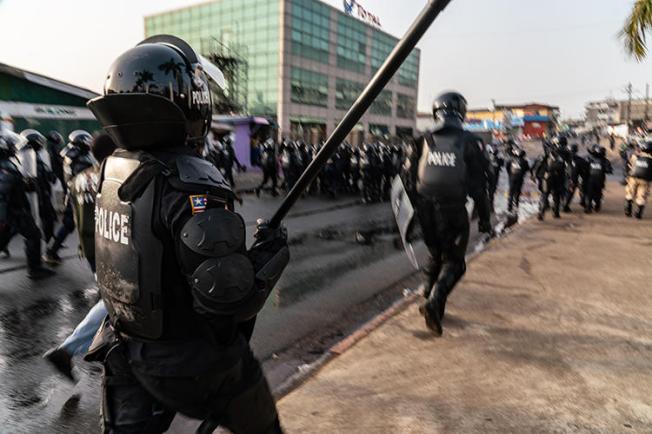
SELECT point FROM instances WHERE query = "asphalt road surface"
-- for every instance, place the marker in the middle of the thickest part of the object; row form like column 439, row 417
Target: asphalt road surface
column 343, row 254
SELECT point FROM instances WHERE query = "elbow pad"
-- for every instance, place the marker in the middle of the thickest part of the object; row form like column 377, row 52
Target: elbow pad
column 212, row 254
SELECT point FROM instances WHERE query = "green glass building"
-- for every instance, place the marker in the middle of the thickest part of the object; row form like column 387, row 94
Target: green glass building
column 301, row 62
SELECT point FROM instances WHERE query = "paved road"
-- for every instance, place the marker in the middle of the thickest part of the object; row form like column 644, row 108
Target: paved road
column 330, row 272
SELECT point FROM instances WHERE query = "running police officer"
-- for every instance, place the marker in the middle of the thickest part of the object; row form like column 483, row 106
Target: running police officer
column 517, row 168
column 55, row 145
column 496, row 163
column 578, row 170
column 447, row 166
column 550, row 171
column 77, row 157
column 599, row 167
column 15, row 211
column 43, row 181
column 181, row 290
column 269, row 164
column 638, row 182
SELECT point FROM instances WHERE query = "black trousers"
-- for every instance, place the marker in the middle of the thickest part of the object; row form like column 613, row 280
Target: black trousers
column 67, row 227
column 551, row 188
column 269, row 175
column 48, row 217
column 594, row 192
column 237, row 398
column 515, row 188
column 446, row 234
column 26, row 227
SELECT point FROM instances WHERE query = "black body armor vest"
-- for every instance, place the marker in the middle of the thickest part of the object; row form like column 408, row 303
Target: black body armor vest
column 642, row 168
column 128, row 254
column 441, row 172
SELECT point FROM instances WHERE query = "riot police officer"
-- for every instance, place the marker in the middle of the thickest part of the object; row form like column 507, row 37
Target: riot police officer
column 599, row 167
column 15, row 211
column 550, row 171
column 55, row 145
column 447, row 166
column 181, row 290
column 517, row 168
column 577, row 177
column 638, row 182
column 496, row 163
column 230, row 159
column 36, row 142
column 77, row 157
column 269, row 164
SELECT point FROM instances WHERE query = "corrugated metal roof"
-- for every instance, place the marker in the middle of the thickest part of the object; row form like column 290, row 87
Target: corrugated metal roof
column 52, row 83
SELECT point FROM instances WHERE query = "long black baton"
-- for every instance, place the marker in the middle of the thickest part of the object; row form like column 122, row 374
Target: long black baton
column 373, row 89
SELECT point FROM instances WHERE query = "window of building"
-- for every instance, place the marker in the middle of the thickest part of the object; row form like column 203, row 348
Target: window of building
column 408, row 74
column 381, row 46
column 346, row 93
column 404, row 132
column 383, row 104
column 351, row 44
column 309, row 88
column 310, row 30
column 405, row 106
column 378, row 130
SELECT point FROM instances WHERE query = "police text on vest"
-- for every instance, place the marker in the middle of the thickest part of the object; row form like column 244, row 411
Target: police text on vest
column 112, row 225
column 446, row 159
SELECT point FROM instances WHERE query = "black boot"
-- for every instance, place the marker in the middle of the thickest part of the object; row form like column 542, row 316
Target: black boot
column 39, row 273
column 628, row 208
column 61, row 361
column 639, row 212
column 430, row 310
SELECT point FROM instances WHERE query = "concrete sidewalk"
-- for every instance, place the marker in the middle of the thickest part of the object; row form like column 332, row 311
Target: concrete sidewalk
column 550, row 331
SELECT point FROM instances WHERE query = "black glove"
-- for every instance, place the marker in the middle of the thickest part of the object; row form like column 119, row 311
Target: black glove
column 269, row 241
column 266, row 235
column 484, row 226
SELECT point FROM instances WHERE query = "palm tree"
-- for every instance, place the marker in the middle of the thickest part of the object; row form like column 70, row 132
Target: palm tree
column 637, row 25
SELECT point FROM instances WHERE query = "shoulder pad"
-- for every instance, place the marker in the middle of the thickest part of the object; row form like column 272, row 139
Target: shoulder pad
column 194, row 170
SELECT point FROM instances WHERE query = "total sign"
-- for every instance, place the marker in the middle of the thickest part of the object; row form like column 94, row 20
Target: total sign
column 363, row 14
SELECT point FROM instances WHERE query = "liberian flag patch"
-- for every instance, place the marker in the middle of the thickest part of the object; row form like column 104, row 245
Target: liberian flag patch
column 198, row 203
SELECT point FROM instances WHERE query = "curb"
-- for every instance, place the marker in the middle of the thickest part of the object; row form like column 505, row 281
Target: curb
column 307, row 372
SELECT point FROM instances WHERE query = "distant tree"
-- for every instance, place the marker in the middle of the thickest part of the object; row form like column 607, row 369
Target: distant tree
column 634, row 33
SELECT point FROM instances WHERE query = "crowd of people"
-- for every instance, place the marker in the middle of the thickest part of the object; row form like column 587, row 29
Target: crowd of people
column 30, row 165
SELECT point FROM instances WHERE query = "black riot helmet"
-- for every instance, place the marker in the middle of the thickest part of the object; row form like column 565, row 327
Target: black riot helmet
column 156, row 95
column 449, row 105
column 574, row 148
column 34, row 139
column 9, row 141
column 81, row 139
column 55, row 138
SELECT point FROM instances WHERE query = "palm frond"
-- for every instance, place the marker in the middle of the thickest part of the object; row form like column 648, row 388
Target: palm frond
column 634, row 32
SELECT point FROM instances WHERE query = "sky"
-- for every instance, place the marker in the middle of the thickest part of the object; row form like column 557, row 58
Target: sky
column 560, row 52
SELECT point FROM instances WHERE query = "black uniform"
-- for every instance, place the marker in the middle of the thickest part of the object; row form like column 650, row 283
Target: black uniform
column 517, row 168
column 181, row 290
column 496, row 163
column 577, row 177
column 446, row 167
column 77, row 157
column 269, row 164
column 15, row 212
column 598, row 169
column 550, row 171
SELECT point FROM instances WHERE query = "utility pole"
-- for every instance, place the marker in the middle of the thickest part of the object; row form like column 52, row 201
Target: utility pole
column 629, row 90
column 647, row 103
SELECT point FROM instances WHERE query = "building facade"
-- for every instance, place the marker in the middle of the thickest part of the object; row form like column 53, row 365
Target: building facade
column 612, row 112
column 30, row 100
column 301, row 63
column 532, row 120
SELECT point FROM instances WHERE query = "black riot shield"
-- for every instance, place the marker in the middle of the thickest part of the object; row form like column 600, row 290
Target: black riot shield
column 404, row 214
